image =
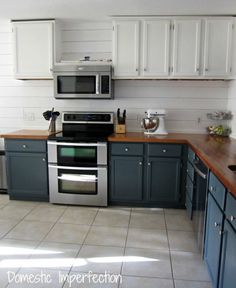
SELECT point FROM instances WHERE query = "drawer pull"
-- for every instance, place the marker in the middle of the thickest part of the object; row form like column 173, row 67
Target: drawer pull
column 149, row 164
column 126, row 149
column 217, row 224
column 232, row 218
column 44, row 159
column 24, row 146
column 212, row 189
column 164, row 150
column 140, row 163
column 221, row 232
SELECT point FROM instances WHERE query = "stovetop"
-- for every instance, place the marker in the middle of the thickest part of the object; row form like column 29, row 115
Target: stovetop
column 78, row 137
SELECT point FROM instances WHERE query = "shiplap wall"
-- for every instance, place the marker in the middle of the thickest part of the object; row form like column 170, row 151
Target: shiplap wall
column 22, row 102
column 232, row 106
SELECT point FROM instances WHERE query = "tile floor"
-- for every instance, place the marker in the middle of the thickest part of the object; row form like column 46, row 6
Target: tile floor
column 147, row 247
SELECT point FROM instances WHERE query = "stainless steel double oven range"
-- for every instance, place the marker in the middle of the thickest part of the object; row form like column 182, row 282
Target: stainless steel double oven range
column 77, row 159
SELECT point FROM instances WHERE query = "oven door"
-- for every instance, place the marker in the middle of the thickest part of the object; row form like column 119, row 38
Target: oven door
column 78, row 185
column 77, row 154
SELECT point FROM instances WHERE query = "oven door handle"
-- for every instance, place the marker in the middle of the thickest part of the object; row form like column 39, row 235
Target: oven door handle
column 97, row 84
column 99, row 144
column 76, row 168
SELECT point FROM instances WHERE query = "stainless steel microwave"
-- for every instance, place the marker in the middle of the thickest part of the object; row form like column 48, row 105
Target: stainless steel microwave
column 82, row 81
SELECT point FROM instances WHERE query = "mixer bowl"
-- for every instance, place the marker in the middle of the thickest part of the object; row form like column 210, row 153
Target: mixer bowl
column 150, row 123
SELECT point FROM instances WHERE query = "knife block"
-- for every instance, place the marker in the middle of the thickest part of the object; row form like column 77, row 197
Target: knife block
column 120, row 128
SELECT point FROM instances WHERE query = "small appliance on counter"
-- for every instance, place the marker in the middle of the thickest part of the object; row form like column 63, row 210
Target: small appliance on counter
column 154, row 123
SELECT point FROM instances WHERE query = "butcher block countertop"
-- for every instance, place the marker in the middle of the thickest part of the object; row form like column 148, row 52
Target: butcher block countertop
column 28, row 134
column 216, row 152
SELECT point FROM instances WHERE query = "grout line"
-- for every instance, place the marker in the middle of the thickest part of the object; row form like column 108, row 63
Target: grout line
column 171, row 266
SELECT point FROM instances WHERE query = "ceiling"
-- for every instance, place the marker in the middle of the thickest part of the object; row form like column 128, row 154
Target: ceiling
column 101, row 9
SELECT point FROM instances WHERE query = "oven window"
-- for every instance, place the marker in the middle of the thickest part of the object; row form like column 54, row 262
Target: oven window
column 77, row 155
column 76, row 84
column 77, row 182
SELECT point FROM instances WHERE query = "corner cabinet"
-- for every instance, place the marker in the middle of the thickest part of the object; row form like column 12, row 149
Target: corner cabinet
column 33, row 49
column 27, row 173
column 145, row 174
column 172, row 47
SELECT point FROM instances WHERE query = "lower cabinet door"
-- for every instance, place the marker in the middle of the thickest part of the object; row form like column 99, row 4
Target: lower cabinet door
column 213, row 239
column 228, row 258
column 27, row 176
column 126, row 178
column 163, row 180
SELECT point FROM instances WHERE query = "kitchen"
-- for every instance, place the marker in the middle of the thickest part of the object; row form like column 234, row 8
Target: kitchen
column 187, row 103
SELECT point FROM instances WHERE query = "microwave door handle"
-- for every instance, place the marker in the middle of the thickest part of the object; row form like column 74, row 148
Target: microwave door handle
column 77, row 144
column 97, row 84
column 77, row 168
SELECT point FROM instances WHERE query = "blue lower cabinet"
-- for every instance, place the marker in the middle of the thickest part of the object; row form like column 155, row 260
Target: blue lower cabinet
column 126, row 179
column 228, row 258
column 213, row 238
column 27, row 176
column 163, row 180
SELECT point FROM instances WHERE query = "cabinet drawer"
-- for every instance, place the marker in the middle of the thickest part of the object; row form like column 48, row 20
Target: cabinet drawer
column 165, row 150
column 230, row 209
column 127, row 149
column 191, row 155
column 217, row 189
column 22, row 145
column 190, row 171
column 189, row 188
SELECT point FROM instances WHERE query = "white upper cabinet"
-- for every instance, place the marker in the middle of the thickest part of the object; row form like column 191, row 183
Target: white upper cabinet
column 218, row 46
column 33, row 49
column 155, row 50
column 126, row 48
column 186, row 47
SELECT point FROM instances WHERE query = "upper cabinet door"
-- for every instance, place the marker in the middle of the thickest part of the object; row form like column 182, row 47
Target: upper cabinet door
column 186, row 47
column 126, row 48
column 156, row 47
column 33, row 49
column 218, row 46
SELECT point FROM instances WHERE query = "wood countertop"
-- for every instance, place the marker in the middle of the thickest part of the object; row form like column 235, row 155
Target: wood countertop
column 216, row 152
column 28, row 134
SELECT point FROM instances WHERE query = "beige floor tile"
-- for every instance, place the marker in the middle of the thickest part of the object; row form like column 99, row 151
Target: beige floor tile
column 6, row 226
column 91, row 281
column 188, row 266
column 112, row 217
column 148, row 210
column 4, row 199
column 23, row 203
column 30, row 230
column 10, row 212
column 192, row 284
column 108, row 236
column 50, row 278
column 51, row 255
column 183, row 241
column 78, row 215
column 147, row 238
column 147, row 221
column 175, row 211
column 147, row 263
column 99, row 259
column 144, row 282
column 68, row 233
column 178, row 222
column 45, row 214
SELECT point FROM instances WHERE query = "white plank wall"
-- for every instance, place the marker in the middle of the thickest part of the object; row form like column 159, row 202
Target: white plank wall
column 22, row 102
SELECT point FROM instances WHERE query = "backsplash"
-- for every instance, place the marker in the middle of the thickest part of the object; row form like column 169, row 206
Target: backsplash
column 186, row 102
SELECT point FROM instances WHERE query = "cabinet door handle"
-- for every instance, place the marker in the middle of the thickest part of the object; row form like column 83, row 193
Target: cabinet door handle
column 221, row 232
column 206, row 69
column 140, row 163
column 145, row 69
column 212, row 189
column 164, row 150
column 44, row 159
column 136, row 69
column 232, row 218
column 24, row 146
column 149, row 164
column 126, row 149
column 217, row 224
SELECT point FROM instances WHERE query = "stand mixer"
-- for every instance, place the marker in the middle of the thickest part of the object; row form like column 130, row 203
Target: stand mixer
column 154, row 122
